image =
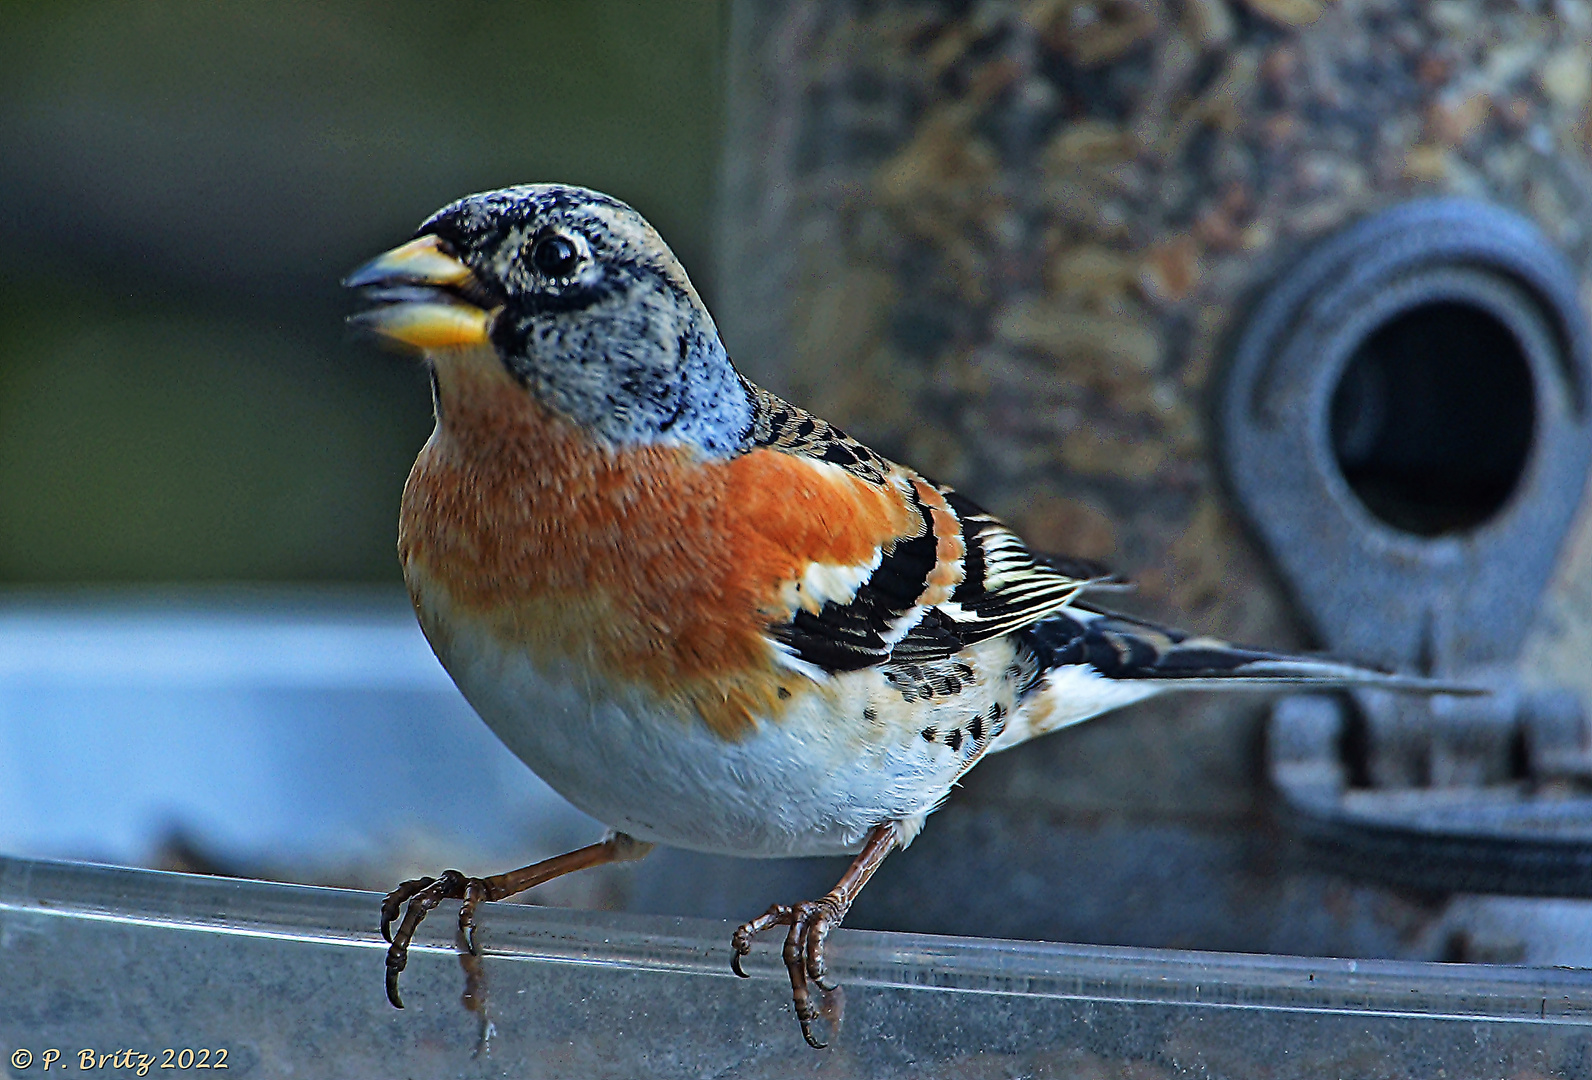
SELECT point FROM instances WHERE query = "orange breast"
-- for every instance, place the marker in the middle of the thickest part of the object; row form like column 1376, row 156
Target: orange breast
column 657, row 570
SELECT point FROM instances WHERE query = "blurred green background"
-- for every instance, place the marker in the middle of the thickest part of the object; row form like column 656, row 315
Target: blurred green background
column 183, row 184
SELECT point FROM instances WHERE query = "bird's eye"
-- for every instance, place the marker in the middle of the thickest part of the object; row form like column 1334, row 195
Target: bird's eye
column 555, row 256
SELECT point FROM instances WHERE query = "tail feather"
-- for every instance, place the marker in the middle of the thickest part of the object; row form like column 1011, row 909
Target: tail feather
column 1087, row 661
column 1123, row 647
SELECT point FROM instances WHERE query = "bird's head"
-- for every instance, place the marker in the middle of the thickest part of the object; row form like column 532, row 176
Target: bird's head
column 578, row 299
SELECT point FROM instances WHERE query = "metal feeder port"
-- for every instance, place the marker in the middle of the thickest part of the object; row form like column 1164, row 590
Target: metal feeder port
column 1405, row 424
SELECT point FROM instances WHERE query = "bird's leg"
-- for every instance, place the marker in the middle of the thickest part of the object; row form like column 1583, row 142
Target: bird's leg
column 423, row 894
column 810, row 923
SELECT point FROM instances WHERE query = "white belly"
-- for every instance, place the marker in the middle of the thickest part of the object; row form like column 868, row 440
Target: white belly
column 812, row 783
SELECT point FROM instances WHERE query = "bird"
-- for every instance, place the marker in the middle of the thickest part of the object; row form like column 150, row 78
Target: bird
column 703, row 615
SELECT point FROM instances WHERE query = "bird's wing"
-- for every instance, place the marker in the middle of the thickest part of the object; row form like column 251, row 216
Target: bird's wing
column 790, row 429
column 1004, row 585
column 946, row 575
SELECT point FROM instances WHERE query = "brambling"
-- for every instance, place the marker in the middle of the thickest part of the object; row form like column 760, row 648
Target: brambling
column 706, row 617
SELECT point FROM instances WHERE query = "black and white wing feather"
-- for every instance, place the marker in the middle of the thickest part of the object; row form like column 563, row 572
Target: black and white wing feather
column 1005, row 586
column 958, row 577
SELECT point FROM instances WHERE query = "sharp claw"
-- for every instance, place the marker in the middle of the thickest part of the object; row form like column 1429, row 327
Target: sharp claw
column 389, row 912
column 397, row 958
column 812, row 1041
column 827, row 987
column 735, row 965
column 392, row 987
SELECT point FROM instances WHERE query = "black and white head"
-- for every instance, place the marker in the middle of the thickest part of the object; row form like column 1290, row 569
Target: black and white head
column 581, row 301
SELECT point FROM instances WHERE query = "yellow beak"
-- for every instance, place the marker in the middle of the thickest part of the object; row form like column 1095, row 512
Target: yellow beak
column 419, row 289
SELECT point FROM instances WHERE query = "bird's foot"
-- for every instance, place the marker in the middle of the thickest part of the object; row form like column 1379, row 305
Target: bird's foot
column 421, row 895
column 810, row 922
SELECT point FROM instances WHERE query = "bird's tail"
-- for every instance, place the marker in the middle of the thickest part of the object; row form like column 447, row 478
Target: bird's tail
column 1090, row 660
column 1125, row 647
